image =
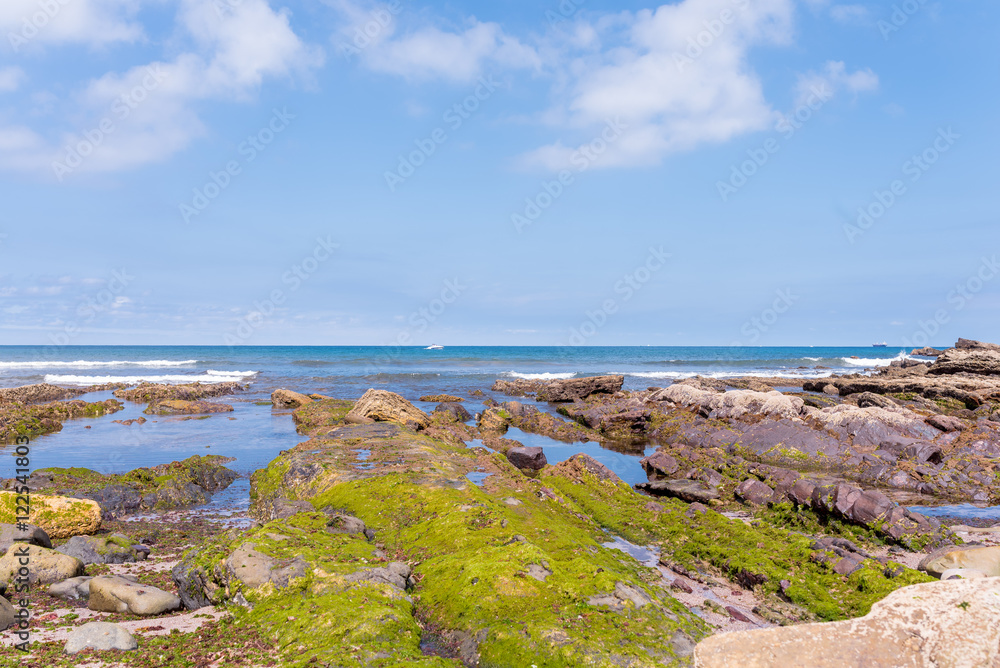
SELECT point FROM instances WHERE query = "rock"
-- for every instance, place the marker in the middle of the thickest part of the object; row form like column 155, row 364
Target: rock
column 113, row 549
column 287, row 399
column 45, row 566
column 868, row 399
column 659, row 465
column 968, row 344
column 493, row 421
column 30, row 535
column 738, row 614
column 870, row 506
column 396, row 574
column 831, row 390
column 384, row 406
column 685, row 490
column 38, row 394
column 441, row 398
column 110, row 593
column 184, row 407
column 73, row 589
column 735, row 403
column 945, row 423
column 755, row 492
column 579, row 388
column 983, row 559
column 57, row 516
column 457, row 411
column 254, row 569
column 7, row 612
column 100, row 636
column 147, row 393
column 572, row 468
column 981, row 361
column 954, row 623
column 926, row 352
column 527, row 458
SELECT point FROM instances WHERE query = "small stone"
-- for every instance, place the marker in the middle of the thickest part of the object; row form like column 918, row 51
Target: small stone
column 738, row 614
column 681, row 584
column 100, row 636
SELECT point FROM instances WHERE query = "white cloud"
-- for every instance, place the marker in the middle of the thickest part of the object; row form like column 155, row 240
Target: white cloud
column 834, row 79
column 10, row 79
column 678, row 76
column 27, row 23
column 152, row 108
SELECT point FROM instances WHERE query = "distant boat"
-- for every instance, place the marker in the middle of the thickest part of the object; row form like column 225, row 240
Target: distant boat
column 434, row 347
column 880, row 345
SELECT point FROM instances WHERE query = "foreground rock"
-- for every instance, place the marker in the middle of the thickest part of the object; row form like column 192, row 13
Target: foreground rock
column 383, row 406
column 45, row 566
column 953, row 623
column 288, row 399
column 116, row 594
column 113, row 549
column 57, row 516
column 100, row 636
column 175, row 485
column 29, row 534
column 986, row 560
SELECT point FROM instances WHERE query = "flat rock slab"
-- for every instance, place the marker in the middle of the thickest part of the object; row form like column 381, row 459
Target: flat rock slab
column 983, row 559
column 685, row 490
column 953, row 623
column 116, row 594
column 100, row 636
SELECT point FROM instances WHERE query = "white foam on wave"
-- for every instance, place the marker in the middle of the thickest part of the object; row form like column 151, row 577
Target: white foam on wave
column 875, row 361
column 86, row 364
column 540, row 376
column 210, row 376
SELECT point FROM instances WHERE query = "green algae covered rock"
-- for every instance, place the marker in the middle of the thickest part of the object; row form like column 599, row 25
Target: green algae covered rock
column 19, row 421
column 57, row 516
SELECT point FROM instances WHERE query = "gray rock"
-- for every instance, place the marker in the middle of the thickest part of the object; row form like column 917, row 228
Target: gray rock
column 685, row 490
column 73, row 589
column 7, row 612
column 754, row 491
column 113, row 549
column 396, row 574
column 31, row 535
column 100, row 636
column 527, row 458
column 116, row 594
column 458, row 412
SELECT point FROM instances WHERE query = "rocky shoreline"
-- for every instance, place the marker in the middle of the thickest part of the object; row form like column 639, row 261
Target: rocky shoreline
column 772, row 524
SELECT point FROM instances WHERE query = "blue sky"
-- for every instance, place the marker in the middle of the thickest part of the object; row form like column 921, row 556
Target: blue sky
column 709, row 172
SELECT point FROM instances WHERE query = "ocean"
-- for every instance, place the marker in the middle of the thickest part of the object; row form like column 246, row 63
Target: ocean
column 255, row 433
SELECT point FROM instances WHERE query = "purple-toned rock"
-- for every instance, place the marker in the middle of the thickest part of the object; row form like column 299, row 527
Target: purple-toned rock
column 580, row 388
column 527, row 458
column 945, row 423
column 870, row 506
column 659, row 465
column 755, row 492
column 801, row 492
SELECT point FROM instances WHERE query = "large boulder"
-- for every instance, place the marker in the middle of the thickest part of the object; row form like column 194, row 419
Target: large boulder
column 44, row 566
column 100, row 636
column 579, row 388
column 110, row 593
column 113, row 549
column 983, row 559
column 58, row 516
column 969, row 344
column 980, row 361
column 527, row 458
column 456, row 411
column 384, row 406
column 288, row 399
column 29, row 534
column 953, row 623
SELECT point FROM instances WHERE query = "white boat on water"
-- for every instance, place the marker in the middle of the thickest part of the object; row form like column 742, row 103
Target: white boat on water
column 434, row 347
column 880, row 345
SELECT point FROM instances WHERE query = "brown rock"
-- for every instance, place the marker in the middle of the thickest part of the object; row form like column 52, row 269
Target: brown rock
column 441, row 398
column 383, row 406
column 185, row 407
column 870, row 506
column 288, row 399
column 754, row 491
column 57, row 516
column 945, row 423
column 580, row 388
column 527, row 458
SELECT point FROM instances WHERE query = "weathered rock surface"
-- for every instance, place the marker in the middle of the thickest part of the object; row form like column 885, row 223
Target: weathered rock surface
column 7, row 613
column 185, row 407
column 455, row 410
column 979, row 361
column 527, row 458
column 147, row 393
column 101, row 636
column 38, row 394
column 442, row 398
column 926, row 352
column 110, row 549
column 29, row 420
column 57, row 516
column 72, row 589
column 45, row 566
column 983, row 559
column 953, row 623
column 30, row 535
column 288, row 399
column 110, row 593
column 384, row 406
column 579, row 388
